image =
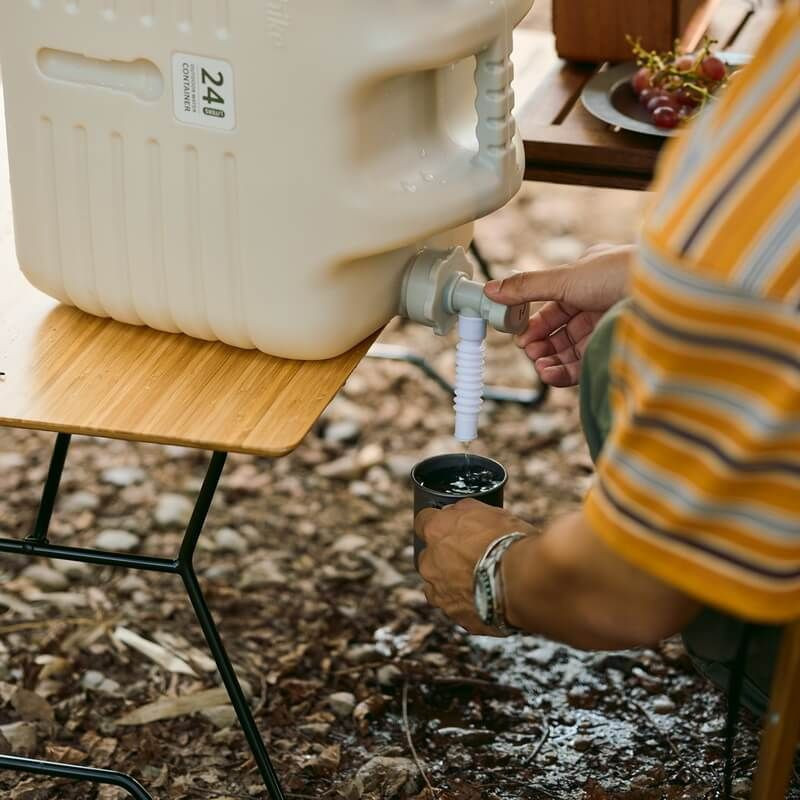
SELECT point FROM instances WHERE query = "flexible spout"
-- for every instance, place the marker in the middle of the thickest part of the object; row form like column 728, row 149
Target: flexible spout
column 470, row 363
column 438, row 292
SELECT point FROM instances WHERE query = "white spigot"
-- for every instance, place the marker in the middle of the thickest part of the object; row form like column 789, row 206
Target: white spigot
column 438, row 292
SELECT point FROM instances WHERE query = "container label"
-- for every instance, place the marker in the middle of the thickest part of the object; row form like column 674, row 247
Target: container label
column 204, row 91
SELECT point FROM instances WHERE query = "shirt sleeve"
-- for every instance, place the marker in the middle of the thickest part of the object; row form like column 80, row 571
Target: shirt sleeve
column 699, row 481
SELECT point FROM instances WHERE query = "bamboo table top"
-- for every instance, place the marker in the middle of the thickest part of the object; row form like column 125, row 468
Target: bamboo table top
column 70, row 372
column 566, row 144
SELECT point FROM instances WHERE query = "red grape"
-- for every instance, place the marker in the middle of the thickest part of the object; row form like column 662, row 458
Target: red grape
column 685, row 63
column 665, row 117
column 648, row 94
column 660, row 100
column 713, row 68
column 686, row 97
column 642, row 80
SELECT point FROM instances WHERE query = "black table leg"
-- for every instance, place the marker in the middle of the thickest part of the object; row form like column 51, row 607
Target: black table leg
column 74, row 773
column 38, row 546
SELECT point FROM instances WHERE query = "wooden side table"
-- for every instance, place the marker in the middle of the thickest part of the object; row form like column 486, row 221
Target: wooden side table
column 68, row 372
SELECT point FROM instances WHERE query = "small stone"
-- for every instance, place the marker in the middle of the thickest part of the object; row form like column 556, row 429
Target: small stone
column 345, row 468
column 173, row 511
column 370, row 456
column 117, row 541
column 389, row 676
column 266, row 572
column 46, row 578
column 342, row 704
column 663, row 705
column 342, row 431
column 74, row 570
column 220, row 716
column 92, row 679
column 97, row 682
column 78, row 502
column 123, row 476
column 350, row 543
column 231, row 541
column 582, row 743
column 360, row 489
column 32, row 707
column 387, row 778
column 21, row 736
column 10, row 461
column 315, row 729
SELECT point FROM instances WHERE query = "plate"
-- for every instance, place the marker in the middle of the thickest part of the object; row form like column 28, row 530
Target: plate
column 609, row 96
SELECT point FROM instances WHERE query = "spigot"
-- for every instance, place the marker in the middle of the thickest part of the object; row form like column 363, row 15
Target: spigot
column 438, row 287
column 438, row 292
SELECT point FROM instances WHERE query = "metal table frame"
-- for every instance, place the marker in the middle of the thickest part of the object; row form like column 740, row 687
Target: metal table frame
column 37, row 546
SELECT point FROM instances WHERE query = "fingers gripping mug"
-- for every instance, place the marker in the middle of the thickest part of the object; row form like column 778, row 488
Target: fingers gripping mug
column 447, row 479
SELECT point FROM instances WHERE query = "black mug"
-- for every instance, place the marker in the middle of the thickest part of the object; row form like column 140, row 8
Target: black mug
column 426, row 497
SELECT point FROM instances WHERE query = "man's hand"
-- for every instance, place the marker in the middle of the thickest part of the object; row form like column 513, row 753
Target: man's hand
column 456, row 539
column 576, row 298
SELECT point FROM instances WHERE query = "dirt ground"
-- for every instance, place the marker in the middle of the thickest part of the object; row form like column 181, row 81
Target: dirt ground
column 307, row 565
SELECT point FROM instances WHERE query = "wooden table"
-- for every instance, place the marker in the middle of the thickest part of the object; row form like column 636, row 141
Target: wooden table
column 566, row 144
column 68, row 372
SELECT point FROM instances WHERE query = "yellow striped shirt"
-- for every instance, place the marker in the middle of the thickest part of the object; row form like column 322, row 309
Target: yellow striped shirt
column 699, row 482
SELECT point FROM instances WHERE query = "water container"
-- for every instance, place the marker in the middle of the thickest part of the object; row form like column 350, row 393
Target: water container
column 253, row 171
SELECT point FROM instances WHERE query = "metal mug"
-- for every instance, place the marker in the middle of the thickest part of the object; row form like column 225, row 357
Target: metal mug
column 425, row 497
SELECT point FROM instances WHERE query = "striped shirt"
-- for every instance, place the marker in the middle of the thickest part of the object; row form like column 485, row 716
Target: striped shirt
column 699, row 482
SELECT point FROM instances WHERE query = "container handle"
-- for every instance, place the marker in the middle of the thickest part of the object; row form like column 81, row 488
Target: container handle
column 497, row 127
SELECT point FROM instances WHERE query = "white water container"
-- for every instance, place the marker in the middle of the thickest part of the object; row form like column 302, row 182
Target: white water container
column 254, row 171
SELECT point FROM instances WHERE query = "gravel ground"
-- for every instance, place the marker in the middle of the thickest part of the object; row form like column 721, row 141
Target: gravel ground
column 307, row 563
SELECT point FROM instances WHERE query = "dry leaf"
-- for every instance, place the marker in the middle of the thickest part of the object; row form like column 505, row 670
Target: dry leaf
column 171, row 707
column 155, row 652
column 32, row 707
column 65, row 754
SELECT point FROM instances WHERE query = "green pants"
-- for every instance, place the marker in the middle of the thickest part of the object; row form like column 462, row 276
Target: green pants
column 713, row 638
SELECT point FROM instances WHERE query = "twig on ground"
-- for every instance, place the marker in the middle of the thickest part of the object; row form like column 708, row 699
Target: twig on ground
column 48, row 623
column 538, row 749
column 407, row 729
column 672, row 746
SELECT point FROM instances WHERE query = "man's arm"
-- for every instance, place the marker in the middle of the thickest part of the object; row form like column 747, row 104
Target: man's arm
column 565, row 584
column 569, row 585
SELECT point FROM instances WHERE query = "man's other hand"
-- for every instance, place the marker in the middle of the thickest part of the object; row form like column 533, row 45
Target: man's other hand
column 575, row 299
column 456, row 539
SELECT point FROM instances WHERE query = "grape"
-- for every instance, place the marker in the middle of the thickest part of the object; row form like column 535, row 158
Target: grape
column 662, row 100
column 686, row 97
column 713, row 68
column 665, row 117
column 648, row 94
column 642, row 80
column 685, row 63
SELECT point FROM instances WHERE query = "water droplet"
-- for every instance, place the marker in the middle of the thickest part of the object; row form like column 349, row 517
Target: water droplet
column 428, row 178
column 409, row 187
column 423, row 153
